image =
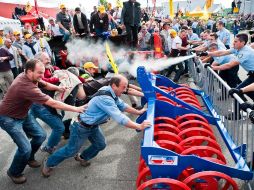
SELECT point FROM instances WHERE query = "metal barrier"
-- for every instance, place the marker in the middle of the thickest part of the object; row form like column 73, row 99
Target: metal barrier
column 173, row 162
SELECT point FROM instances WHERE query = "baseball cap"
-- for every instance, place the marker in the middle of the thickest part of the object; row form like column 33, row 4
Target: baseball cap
column 173, row 32
column 101, row 9
column 15, row 33
column 88, row 65
column 28, row 36
column 62, row 6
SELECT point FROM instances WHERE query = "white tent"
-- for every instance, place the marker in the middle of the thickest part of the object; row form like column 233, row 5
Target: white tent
column 10, row 24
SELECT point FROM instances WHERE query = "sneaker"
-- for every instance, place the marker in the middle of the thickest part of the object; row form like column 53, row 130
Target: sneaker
column 47, row 149
column 82, row 162
column 33, row 164
column 46, row 171
column 17, row 179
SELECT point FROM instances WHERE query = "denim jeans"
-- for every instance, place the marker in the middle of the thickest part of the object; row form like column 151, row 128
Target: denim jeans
column 66, row 34
column 20, row 130
column 54, row 121
column 77, row 138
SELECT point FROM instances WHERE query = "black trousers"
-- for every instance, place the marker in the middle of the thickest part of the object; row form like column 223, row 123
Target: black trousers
column 231, row 76
column 15, row 72
column 132, row 35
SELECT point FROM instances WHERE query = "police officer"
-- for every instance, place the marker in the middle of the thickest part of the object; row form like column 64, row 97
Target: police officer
column 244, row 57
column 226, row 75
column 224, row 34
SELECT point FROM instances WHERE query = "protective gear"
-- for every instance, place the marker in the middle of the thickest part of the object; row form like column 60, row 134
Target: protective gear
column 244, row 106
column 234, row 90
column 207, row 65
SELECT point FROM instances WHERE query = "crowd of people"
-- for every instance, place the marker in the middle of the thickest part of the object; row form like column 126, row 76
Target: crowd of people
column 47, row 91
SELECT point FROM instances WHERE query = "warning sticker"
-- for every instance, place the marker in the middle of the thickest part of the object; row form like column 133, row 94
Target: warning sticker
column 162, row 160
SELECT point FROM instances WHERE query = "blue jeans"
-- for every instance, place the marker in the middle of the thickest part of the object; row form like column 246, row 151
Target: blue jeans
column 66, row 34
column 19, row 130
column 54, row 121
column 77, row 138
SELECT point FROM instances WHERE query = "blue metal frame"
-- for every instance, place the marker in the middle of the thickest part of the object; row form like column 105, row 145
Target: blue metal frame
column 176, row 163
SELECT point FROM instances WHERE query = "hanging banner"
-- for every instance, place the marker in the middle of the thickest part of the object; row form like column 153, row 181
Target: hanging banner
column 209, row 3
column 171, row 9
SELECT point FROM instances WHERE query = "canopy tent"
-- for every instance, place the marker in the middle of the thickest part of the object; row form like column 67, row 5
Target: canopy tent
column 10, row 24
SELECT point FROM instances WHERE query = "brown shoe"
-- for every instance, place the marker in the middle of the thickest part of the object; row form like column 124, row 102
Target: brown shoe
column 17, row 179
column 33, row 164
column 46, row 171
column 82, row 162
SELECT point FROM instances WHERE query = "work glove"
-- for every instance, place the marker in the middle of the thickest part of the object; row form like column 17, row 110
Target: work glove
column 207, row 65
column 244, row 106
column 235, row 90
column 251, row 116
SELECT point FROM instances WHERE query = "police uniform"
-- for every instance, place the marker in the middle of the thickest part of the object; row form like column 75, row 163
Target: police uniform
column 224, row 34
column 245, row 56
column 229, row 75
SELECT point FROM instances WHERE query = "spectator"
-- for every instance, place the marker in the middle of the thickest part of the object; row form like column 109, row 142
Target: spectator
column 235, row 27
column 117, row 15
column 99, row 22
column 16, row 62
column 63, row 19
column 131, row 17
column 80, row 22
column 6, row 76
column 30, row 48
column 2, row 38
column 94, row 11
column 53, row 28
column 144, row 16
column 144, row 38
column 165, row 35
column 42, row 42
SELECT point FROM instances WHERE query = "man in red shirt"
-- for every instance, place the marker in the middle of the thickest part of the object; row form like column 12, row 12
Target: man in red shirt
column 16, row 121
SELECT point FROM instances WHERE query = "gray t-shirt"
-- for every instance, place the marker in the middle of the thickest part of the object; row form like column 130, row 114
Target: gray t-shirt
column 64, row 19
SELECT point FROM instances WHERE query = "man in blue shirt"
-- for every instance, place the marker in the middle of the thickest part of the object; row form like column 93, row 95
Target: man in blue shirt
column 224, row 34
column 244, row 56
column 100, row 109
column 226, row 75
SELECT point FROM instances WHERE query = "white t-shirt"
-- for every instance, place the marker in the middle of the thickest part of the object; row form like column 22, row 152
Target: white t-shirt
column 56, row 30
column 176, row 40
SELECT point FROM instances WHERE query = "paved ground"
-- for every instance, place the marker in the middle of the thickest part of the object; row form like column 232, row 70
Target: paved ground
column 114, row 168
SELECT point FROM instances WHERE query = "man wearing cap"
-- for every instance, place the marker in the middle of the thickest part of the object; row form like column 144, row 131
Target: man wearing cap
column 131, row 17
column 30, row 48
column 2, row 38
column 42, row 42
column 80, row 22
column 99, row 22
column 18, row 43
column 90, row 70
column 63, row 19
column 105, row 104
